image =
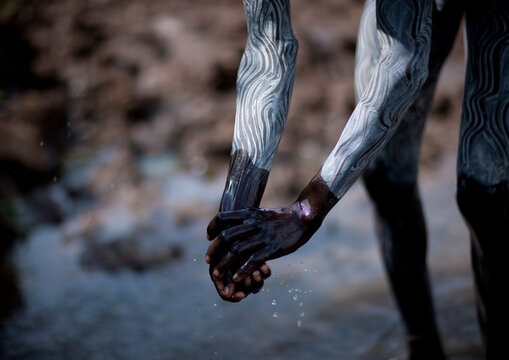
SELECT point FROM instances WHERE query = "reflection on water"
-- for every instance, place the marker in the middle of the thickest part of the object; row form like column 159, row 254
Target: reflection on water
column 329, row 300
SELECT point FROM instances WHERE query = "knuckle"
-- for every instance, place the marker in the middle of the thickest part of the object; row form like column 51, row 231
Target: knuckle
column 224, row 297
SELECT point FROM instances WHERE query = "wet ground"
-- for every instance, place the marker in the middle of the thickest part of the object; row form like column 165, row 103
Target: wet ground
column 329, row 300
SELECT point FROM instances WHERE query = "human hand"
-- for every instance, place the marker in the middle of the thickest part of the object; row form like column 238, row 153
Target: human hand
column 249, row 237
column 227, row 290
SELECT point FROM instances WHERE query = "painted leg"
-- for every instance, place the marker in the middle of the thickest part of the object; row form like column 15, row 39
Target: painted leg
column 391, row 181
column 483, row 166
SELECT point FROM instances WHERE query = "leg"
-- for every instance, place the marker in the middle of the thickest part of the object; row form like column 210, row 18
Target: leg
column 483, row 165
column 391, row 181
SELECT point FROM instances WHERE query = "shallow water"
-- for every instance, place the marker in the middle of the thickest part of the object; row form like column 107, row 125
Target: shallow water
column 329, row 300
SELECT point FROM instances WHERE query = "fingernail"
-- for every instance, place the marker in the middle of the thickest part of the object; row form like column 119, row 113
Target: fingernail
column 227, row 291
column 207, row 259
column 265, row 269
column 239, row 296
column 235, row 277
column 215, row 273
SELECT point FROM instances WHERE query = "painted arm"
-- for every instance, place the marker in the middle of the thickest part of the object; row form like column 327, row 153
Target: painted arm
column 264, row 87
column 404, row 35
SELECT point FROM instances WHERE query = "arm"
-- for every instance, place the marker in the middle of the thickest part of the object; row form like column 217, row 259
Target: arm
column 264, row 86
column 404, row 33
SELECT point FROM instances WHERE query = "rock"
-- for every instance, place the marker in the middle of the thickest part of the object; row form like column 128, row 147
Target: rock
column 135, row 253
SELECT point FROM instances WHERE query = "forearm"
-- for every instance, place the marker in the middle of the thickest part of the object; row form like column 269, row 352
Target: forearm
column 404, row 33
column 264, row 86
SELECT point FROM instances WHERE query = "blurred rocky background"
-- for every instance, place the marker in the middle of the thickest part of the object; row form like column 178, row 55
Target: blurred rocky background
column 116, row 119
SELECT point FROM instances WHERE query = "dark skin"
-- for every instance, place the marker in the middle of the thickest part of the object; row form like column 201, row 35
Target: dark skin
column 245, row 239
column 225, row 286
column 244, row 188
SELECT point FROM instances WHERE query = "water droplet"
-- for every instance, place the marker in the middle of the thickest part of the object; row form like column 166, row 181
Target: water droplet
column 215, row 352
column 112, row 185
column 215, row 304
column 305, row 269
column 274, row 314
column 301, row 304
column 295, row 297
column 299, row 323
column 194, row 259
column 290, row 291
column 54, row 179
column 302, row 314
column 42, row 143
column 274, row 302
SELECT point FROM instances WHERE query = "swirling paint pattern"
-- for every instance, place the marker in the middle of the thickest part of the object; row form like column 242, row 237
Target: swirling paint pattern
column 484, row 133
column 265, row 80
column 404, row 35
column 400, row 157
column 368, row 49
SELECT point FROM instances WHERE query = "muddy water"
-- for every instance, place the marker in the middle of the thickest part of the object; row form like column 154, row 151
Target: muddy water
column 329, row 300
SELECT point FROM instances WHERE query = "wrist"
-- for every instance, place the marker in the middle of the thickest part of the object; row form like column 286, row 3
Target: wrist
column 315, row 202
column 245, row 183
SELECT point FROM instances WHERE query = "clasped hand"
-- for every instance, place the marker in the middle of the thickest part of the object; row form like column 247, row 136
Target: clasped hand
column 243, row 240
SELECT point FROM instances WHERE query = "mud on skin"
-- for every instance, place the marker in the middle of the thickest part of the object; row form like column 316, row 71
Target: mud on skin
column 253, row 236
column 244, row 187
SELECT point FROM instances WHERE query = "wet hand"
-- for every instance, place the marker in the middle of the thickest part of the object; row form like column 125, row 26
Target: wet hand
column 235, row 292
column 226, row 288
column 249, row 237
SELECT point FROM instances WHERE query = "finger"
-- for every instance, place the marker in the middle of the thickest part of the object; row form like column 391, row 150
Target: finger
column 235, row 233
column 236, row 251
column 213, row 249
column 257, row 277
column 230, row 235
column 257, row 286
column 219, row 286
column 225, row 219
column 265, row 270
column 249, row 266
column 238, row 296
column 247, row 282
column 228, row 290
column 224, row 286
